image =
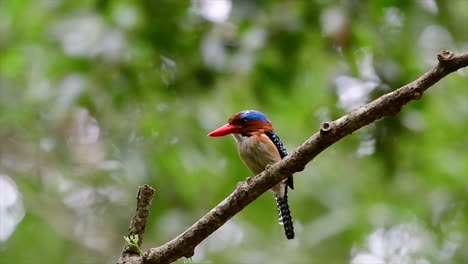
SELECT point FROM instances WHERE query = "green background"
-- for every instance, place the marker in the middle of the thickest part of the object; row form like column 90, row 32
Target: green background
column 98, row 97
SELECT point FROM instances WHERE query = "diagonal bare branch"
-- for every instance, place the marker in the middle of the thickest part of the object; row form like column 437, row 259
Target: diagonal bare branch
column 330, row 132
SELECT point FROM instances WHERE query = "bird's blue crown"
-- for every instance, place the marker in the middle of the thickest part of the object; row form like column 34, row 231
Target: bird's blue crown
column 253, row 115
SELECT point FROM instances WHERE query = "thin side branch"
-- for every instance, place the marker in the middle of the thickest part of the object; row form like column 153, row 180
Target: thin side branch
column 138, row 224
column 329, row 133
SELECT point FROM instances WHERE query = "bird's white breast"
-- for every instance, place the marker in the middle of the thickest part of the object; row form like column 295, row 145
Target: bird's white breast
column 256, row 151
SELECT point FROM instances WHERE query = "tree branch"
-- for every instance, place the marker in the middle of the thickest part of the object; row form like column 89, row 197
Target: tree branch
column 329, row 133
column 138, row 224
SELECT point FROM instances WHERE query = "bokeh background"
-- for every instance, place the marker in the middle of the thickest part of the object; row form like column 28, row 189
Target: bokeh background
column 98, row 97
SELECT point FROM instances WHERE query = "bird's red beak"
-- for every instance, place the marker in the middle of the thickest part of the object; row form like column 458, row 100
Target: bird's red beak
column 224, row 130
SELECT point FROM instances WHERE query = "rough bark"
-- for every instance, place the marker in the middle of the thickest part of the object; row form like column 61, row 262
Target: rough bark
column 138, row 224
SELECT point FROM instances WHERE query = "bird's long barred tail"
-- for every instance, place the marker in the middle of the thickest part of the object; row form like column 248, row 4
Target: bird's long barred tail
column 285, row 218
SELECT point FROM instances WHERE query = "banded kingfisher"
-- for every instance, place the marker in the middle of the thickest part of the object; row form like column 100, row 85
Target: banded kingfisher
column 258, row 146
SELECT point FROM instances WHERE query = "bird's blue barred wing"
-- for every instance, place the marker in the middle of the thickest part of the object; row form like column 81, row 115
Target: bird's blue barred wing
column 277, row 141
column 282, row 151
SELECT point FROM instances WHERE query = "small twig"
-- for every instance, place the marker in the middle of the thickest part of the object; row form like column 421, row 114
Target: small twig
column 131, row 251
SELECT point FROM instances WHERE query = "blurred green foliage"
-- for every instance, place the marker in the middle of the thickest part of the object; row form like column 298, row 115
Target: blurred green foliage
column 98, row 97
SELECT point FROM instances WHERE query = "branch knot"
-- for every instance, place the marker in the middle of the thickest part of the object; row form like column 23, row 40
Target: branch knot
column 445, row 55
column 325, row 127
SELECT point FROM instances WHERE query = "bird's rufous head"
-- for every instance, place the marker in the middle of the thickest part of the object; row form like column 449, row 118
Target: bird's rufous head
column 244, row 123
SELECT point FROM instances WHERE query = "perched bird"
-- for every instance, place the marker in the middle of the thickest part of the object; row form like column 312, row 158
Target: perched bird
column 258, row 146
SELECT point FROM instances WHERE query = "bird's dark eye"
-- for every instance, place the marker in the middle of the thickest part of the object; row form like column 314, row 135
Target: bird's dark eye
column 244, row 121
